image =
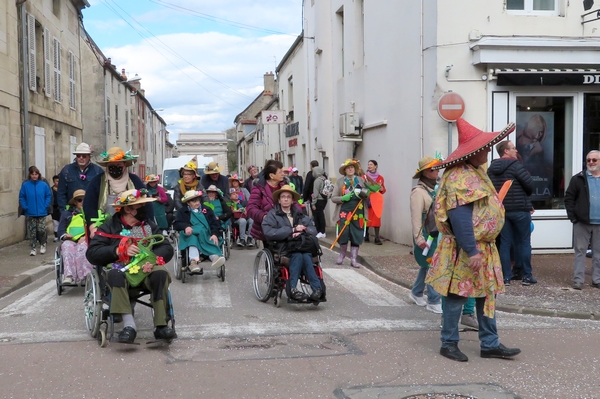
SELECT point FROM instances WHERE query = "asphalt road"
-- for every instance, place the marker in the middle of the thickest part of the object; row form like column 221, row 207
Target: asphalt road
column 366, row 341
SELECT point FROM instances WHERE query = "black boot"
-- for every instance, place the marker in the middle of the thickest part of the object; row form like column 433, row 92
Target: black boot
column 377, row 240
column 367, row 235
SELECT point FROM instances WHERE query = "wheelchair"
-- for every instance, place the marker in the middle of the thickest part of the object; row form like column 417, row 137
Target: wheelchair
column 59, row 272
column 271, row 275
column 181, row 260
column 100, row 323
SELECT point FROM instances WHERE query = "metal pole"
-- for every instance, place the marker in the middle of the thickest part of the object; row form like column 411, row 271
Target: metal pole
column 449, row 138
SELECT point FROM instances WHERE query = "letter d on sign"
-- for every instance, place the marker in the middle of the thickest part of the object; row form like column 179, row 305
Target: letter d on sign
column 588, row 79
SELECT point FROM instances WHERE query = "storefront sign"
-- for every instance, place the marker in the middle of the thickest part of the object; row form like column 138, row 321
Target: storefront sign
column 272, row 117
column 293, row 143
column 548, row 79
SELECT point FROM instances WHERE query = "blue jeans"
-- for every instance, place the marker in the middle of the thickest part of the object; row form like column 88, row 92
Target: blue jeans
column 302, row 262
column 433, row 298
column 488, row 335
column 517, row 233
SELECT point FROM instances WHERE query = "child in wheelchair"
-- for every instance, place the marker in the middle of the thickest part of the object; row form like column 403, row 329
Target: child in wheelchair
column 199, row 231
column 115, row 244
column 241, row 219
column 295, row 236
column 71, row 231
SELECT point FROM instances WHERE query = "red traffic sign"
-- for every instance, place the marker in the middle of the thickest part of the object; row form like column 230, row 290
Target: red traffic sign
column 451, row 106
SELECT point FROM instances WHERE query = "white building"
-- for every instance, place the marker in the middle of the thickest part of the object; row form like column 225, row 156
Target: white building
column 213, row 145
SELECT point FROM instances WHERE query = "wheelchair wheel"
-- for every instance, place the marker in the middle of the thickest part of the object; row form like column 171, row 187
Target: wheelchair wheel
column 221, row 273
column 225, row 248
column 102, row 341
column 92, row 303
column 177, row 257
column 58, row 270
column 264, row 275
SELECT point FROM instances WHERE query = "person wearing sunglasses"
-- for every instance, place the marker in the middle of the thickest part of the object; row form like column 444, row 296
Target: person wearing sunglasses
column 583, row 210
column 76, row 175
column 71, row 230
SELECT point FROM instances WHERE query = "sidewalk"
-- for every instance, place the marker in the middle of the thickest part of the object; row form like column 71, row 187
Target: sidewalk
column 551, row 296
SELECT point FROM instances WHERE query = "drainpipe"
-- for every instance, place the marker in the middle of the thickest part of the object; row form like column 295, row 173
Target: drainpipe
column 25, row 97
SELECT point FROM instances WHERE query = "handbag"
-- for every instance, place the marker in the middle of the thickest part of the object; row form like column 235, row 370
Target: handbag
column 304, row 243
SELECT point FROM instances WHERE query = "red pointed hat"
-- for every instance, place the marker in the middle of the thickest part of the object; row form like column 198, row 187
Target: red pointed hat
column 471, row 141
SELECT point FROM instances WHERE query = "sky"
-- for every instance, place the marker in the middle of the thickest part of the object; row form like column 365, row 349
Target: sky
column 202, row 61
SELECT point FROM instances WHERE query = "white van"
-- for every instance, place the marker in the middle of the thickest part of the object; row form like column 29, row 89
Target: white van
column 171, row 167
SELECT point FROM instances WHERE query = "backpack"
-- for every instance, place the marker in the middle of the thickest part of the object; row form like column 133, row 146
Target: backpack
column 328, row 187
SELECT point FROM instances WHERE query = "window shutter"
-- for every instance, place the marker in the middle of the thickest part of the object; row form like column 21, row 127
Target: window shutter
column 57, row 72
column 47, row 64
column 31, row 51
column 71, row 80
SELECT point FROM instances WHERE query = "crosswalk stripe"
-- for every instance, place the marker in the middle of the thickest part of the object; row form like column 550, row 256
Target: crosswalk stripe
column 211, row 293
column 33, row 301
column 367, row 291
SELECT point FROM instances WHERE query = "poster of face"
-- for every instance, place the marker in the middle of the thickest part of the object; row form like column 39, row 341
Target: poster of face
column 535, row 144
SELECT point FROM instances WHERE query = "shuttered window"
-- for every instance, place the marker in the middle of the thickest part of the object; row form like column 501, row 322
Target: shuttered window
column 57, row 70
column 31, row 51
column 47, row 64
column 71, row 80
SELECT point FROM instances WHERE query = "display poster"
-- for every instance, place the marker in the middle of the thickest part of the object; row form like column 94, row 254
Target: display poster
column 535, row 144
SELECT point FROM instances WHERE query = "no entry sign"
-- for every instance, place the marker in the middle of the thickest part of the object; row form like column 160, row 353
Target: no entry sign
column 451, row 106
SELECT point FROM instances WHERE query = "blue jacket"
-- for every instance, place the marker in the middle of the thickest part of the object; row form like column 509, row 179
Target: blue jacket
column 35, row 198
column 69, row 180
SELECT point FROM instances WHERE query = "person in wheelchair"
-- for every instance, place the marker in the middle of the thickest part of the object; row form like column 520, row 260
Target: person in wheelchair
column 199, row 231
column 71, row 231
column 285, row 224
column 115, row 243
column 217, row 203
column 242, row 220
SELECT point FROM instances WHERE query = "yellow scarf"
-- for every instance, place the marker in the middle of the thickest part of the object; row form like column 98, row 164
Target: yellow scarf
column 187, row 187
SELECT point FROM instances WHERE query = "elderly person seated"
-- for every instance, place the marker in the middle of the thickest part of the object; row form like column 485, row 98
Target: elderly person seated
column 71, row 230
column 285, row 224
column 217, row 203
column 115, row 244
column 199, row 232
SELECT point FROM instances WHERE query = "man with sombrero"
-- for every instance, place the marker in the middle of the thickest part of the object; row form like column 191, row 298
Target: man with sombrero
column 105, row 188
column 212, row 175
column 116, row 244
column 466, row 263
column 76, row 175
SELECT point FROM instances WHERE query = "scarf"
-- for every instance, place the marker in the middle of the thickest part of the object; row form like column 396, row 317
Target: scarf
column 188, row 187
column 119, row 185
column 429, row 182
column 373, row 176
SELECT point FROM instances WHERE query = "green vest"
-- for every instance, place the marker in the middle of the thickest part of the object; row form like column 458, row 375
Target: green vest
column 76, row 227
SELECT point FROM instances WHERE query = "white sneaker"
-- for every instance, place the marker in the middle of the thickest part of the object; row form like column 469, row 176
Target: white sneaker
column 419, row 300
column 68, row 280
column 435, row 308
column 217, row 261
column 194, row 266
column 321, row 235
column 33, row 252
column 43, row 249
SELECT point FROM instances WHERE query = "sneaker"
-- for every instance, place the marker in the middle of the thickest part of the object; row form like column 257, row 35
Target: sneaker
column 240, row 243
column 250, row 242
column 419, row 300
column 194, row 266
column 55, row 239
column 43, row 249
column 217, row 261
column 577, row 286
column 33, row 252
column 316, row 294
column 164, row 332
column 529, row 281
column 435, row 308
column 507, row 283
column 68, row 280
column 127, row 336
column 165, row 233
column 589, row 254
column 321, row 235
column 297, row 295
column 596, row 285
column 469, row 320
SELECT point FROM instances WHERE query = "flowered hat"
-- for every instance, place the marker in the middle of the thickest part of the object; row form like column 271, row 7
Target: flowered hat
column 82, row 148
column 116, row 154
column 424, row 164
column 132, row 197
column 77, row 194
column 192, row 166
column 151, row 178
column 191, row 195
column 212, row 168
column 235, row 177
column 286, row 188
column 214, row 189
column 351, row 162
column 250, row 168
column 471, row 141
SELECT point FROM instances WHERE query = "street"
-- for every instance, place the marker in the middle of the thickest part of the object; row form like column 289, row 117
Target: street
column 366, row 341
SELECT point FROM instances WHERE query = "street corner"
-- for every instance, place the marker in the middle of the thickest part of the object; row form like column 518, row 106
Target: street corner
column 442, row 391
column 10, row 284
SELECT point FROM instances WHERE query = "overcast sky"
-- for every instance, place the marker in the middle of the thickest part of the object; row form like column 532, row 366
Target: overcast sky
column 203, row 61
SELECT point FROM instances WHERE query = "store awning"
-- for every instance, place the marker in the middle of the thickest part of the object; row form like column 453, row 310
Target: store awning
column 547, row 77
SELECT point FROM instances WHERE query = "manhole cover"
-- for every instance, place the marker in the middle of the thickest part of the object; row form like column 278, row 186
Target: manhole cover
column 439, row 396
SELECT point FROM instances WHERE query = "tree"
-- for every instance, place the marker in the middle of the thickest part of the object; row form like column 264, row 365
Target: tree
column 232, row 161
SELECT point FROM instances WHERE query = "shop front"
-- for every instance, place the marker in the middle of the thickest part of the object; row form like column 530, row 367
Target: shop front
column 557, row 113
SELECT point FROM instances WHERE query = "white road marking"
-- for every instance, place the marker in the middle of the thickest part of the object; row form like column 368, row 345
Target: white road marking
column 32, row 302
column 365, row 290
column 212, row 293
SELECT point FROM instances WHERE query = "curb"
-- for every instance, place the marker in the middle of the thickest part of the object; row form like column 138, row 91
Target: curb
column 26, row 278
column 503, row 308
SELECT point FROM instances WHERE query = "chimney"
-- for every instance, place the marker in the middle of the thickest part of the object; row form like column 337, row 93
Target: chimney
column 123, row 74
column 269, row 82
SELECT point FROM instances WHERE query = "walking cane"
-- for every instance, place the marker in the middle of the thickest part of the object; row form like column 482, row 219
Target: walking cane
column 346, row 223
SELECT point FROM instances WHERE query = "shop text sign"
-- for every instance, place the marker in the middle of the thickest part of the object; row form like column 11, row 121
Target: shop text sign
column 548, row 79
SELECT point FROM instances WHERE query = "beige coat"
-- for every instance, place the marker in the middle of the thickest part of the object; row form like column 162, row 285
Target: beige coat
column 420, row 201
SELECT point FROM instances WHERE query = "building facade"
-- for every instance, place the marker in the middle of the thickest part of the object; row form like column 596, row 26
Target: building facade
column 212, row 145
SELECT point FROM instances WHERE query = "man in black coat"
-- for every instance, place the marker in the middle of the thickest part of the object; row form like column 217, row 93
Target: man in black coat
column 309, row 181
column 517, row 204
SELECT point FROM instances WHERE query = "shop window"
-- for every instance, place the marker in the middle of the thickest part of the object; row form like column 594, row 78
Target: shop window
column 544, row 140
column 534, row 7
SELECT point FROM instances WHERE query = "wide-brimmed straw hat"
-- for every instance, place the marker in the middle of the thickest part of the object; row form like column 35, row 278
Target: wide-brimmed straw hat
column 77, row 194
column 189, row 195
column 212, row 168
column 286, row 188
column 191, row 165
column 235, row 177
column 132, row 197
column 424, row 164
column 83, row 148
column 151, row 178
column 351, row 162
column 116, row 154
column 472, row 140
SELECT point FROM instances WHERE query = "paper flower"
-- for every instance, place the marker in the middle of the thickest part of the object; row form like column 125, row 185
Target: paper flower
column 160, row 260
column 133, row 269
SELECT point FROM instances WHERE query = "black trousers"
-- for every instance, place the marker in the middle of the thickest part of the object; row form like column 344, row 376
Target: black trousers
column 319, row 215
